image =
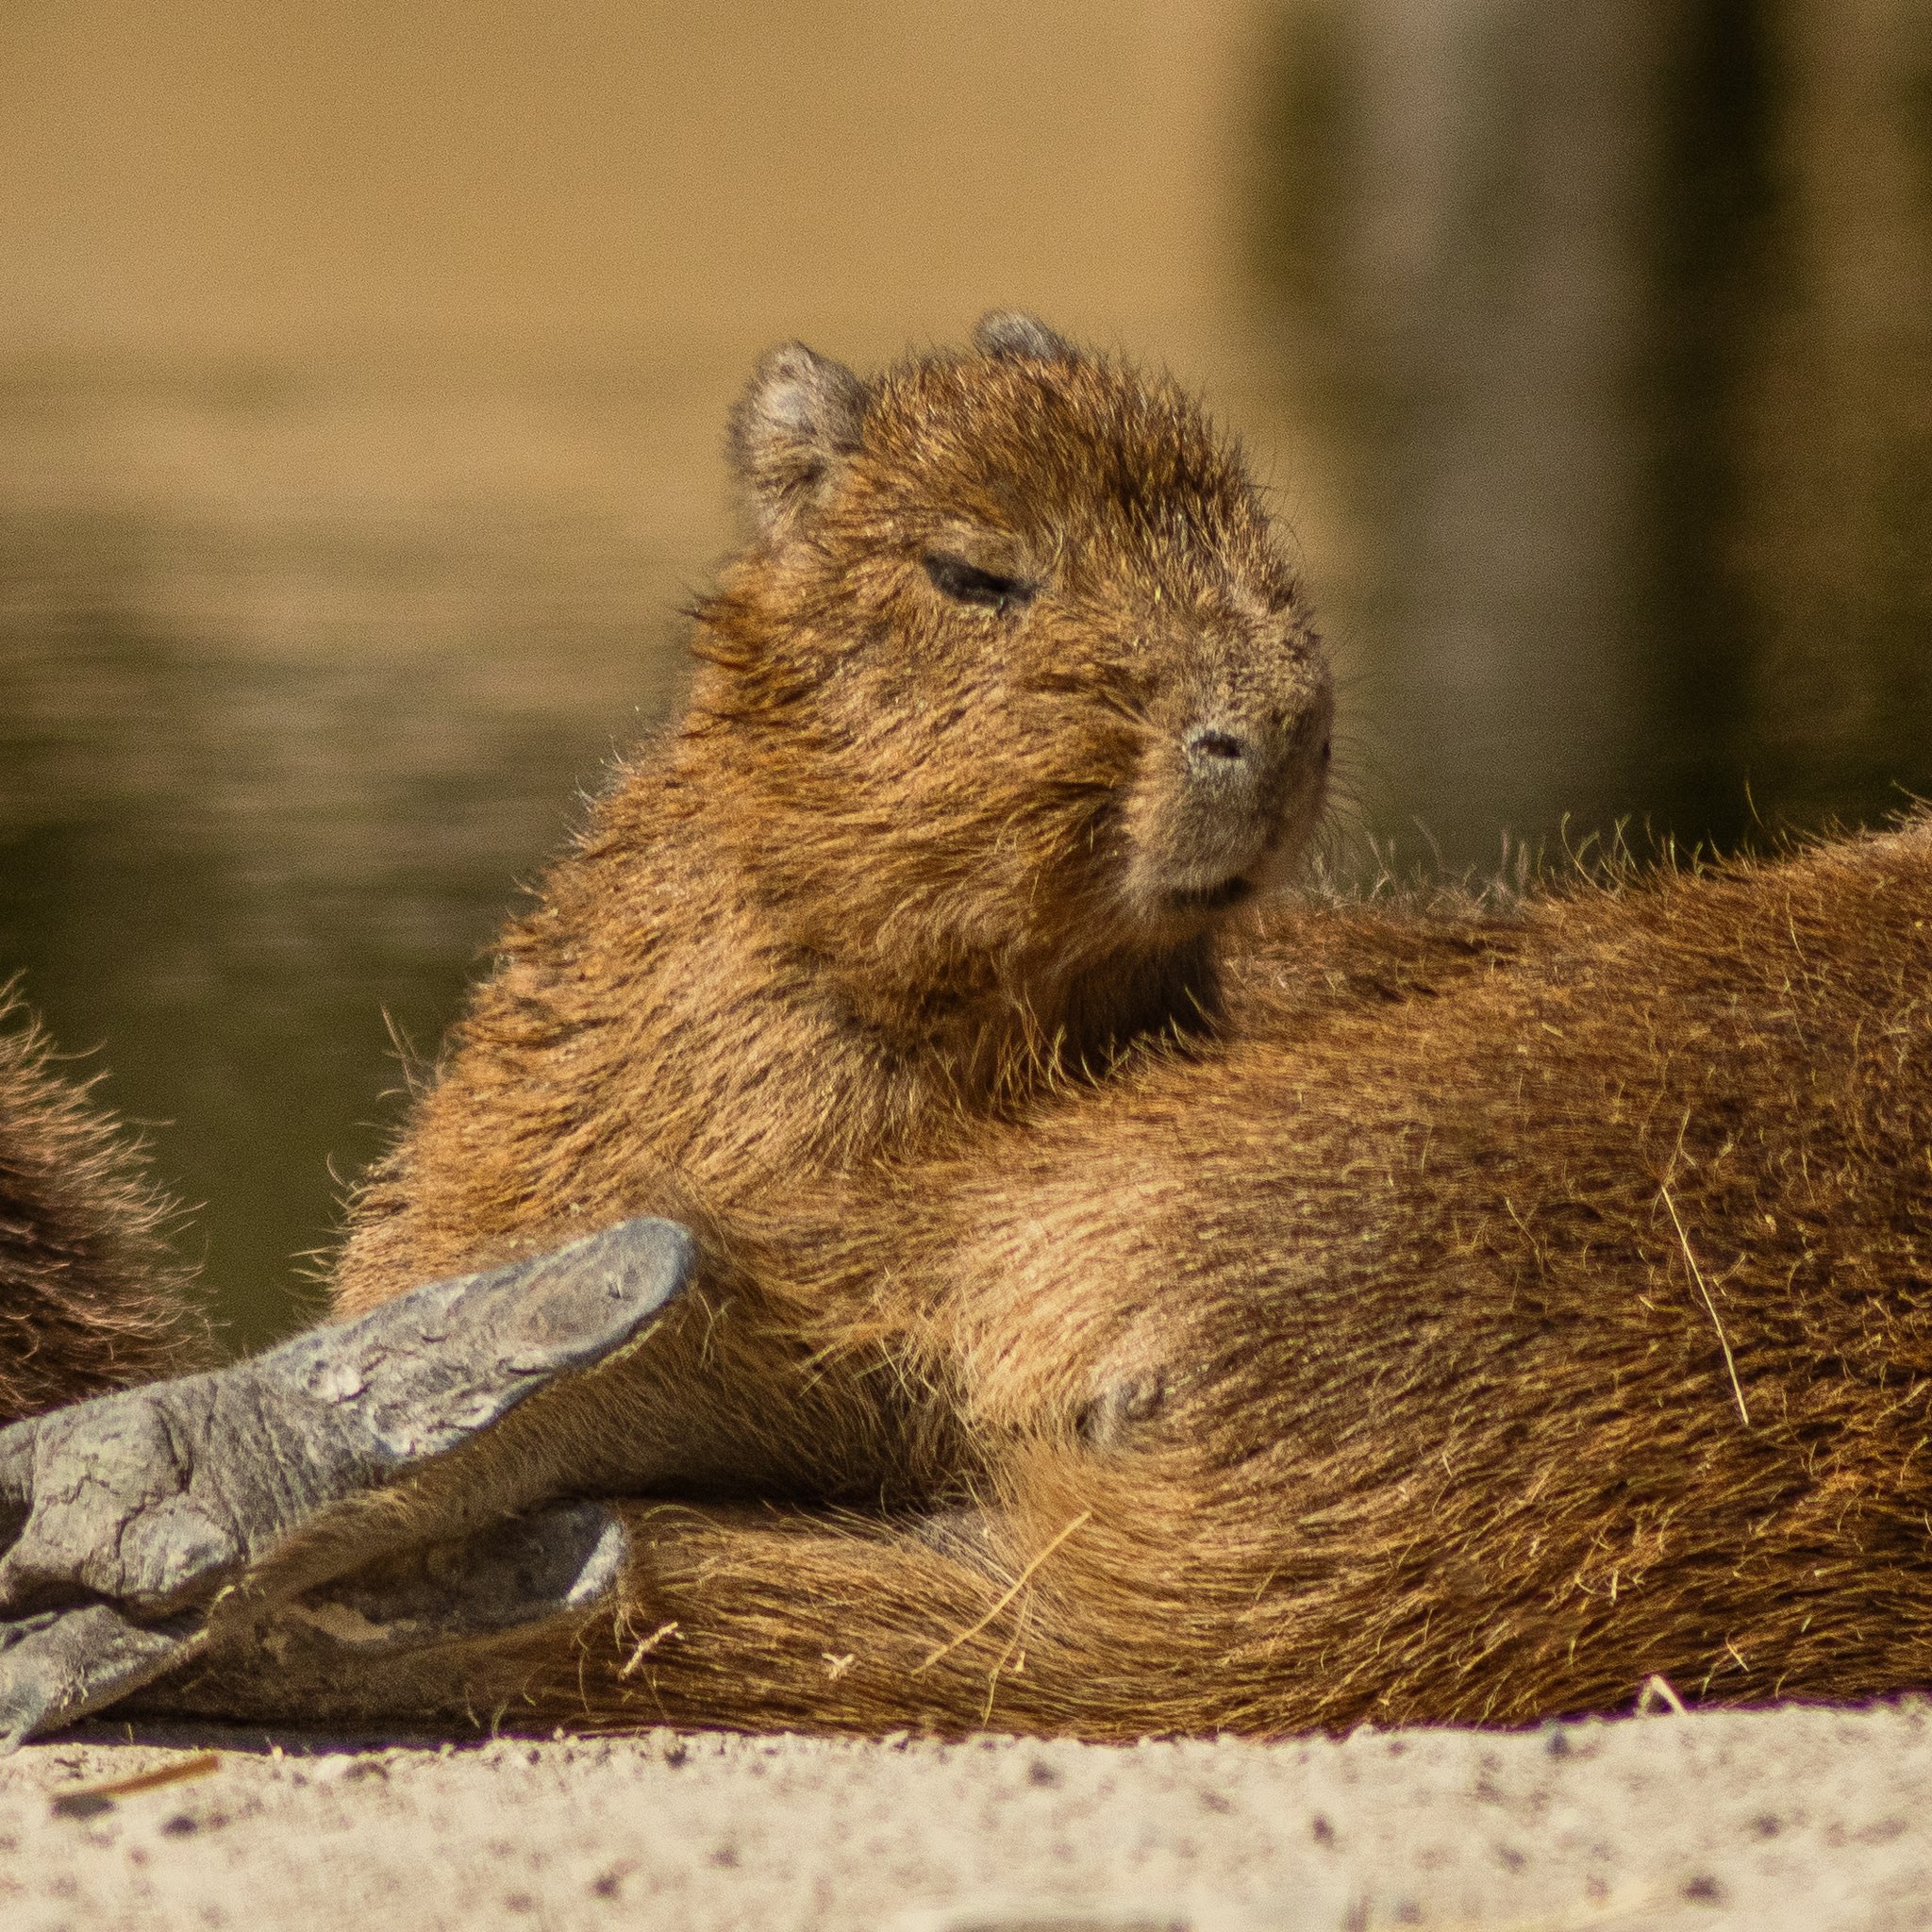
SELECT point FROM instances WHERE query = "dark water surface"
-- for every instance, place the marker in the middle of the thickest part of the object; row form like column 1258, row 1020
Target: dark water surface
column 1589, row 352
column 274, row 753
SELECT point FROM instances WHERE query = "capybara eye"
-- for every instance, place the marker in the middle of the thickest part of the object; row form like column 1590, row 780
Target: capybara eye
column 966, row 583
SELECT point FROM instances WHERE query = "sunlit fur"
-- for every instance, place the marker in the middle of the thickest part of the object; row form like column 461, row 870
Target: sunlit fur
column 89, row 1300
column 1511, row 1308
column 1475, row 1312
column 1515, row 1306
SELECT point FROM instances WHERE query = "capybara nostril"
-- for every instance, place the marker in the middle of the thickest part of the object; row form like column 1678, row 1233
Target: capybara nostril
column 1214, row 751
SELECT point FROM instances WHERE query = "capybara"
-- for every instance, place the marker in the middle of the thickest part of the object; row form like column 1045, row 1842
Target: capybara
column 90, row 1297
column 1007, row 707
column 1123, row 1305
column 1129, row 1312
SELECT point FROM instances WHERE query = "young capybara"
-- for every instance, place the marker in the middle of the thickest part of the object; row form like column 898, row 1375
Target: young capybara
column 1438, row 1315
column 90, row 1297
column 1120, row 1312
column 1007, row 707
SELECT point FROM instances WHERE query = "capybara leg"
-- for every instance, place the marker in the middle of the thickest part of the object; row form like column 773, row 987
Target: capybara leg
column 770, row 1618
column 619, row 1616
column 144, row 1529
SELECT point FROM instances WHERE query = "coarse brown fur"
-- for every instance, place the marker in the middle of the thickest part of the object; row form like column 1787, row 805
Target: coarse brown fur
column 1484, row 1312
column 90, row 1299
column 1474, row 1312
column 1511, row 1311
column 1511, row 1306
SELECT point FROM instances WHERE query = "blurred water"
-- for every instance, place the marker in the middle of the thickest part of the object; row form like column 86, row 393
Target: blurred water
column 281, row 727
column 1619, row 320
column 1588, row 351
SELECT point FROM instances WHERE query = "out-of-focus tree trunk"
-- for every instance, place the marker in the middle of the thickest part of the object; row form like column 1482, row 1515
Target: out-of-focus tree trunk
column 1623, row 316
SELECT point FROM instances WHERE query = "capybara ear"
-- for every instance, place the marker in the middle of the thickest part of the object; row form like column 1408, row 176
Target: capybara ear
column 1012, row 335
column 801, row 415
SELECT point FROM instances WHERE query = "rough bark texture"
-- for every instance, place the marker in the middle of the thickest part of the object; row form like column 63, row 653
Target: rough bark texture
column 150, row 1529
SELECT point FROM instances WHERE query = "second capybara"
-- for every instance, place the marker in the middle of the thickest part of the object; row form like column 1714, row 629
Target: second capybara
column 90, row 1297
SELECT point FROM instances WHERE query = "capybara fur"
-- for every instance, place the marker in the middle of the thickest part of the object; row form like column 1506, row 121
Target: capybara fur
column 90, row 1297
column 1123, row 1313
column 1124, row 1310
column 1505, row 1312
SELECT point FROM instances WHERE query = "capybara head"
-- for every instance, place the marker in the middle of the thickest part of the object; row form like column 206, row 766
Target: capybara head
column 1014, row 661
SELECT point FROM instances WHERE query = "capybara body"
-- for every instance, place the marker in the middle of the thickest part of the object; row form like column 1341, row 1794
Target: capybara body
column 1506, row 1313
column 1121, row 1309
column 1506, row 1308
column 90, row 1299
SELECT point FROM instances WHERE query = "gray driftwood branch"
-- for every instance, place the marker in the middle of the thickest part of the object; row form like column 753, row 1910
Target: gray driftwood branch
column 141, row 1528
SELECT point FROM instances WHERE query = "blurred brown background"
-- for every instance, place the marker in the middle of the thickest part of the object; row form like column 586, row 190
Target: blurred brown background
column 361, row 368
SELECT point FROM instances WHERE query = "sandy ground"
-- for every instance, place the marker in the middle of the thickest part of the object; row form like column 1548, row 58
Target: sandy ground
column 1795, row 1818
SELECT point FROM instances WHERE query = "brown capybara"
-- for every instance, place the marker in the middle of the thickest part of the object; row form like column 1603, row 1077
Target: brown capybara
column 1504, row 1313
column 1404, row 1312
column 1120, row 1311
column 1503, row 1310
column 90, row 1298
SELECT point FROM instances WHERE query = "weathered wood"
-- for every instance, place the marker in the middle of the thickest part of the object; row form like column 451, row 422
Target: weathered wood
column 149, row 1524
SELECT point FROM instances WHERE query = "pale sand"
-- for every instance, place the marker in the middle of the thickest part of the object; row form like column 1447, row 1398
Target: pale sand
column 1795, row 1817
